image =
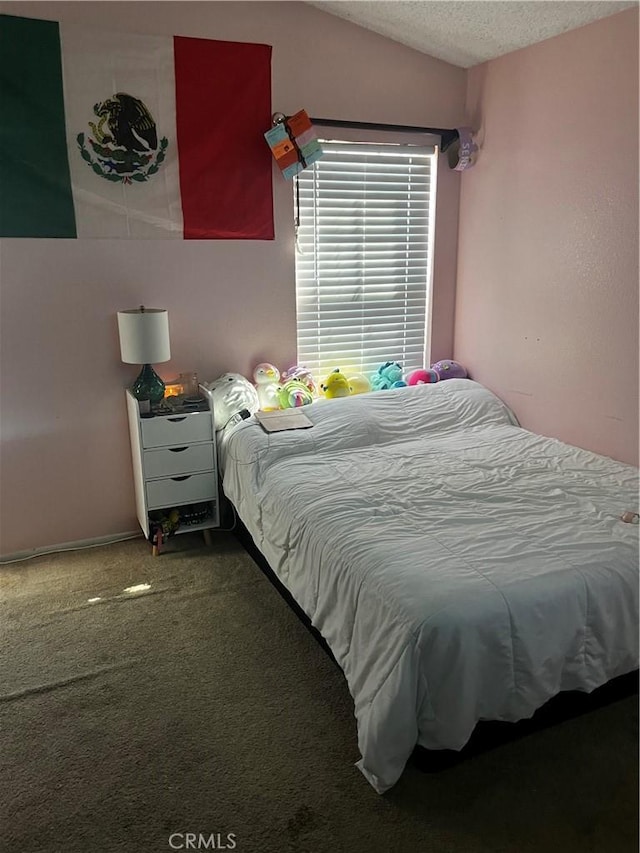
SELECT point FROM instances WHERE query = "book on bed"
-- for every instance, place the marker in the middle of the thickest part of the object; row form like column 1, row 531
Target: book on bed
column 283, row 419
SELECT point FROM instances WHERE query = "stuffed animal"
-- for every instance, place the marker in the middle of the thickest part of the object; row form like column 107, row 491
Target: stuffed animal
column 267, row 376
column 302, row 374
column 388, row 375
column 230, row 394
column 359, row 384
column 448, row 369
column 294, row 393
column 423, row 377
column 335, row 385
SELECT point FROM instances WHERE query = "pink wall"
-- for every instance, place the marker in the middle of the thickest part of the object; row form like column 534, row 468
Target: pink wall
column 547, row 291
column 65, row 465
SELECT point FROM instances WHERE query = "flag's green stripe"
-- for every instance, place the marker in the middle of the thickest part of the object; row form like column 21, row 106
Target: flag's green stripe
column 35, row 186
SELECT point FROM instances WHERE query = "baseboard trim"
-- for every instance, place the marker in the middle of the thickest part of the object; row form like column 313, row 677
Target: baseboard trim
column 78, row 545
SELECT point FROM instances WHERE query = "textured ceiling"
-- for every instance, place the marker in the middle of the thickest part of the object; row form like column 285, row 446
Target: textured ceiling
column 467, row 33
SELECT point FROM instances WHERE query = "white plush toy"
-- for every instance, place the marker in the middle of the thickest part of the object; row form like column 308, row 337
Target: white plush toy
column 230, row 394
column 267, row 377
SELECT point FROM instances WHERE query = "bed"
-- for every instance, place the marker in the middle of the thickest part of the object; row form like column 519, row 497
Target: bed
column 459, row 567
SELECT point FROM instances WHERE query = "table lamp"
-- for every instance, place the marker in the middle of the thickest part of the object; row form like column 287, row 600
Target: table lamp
column 144, row 338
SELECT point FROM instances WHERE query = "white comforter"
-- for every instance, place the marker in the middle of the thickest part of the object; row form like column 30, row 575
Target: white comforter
column 459, row 567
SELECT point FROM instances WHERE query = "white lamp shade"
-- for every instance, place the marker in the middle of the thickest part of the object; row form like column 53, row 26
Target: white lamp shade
column 144, row 335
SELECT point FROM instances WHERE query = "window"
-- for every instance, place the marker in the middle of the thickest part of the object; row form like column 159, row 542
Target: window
column 363, row 258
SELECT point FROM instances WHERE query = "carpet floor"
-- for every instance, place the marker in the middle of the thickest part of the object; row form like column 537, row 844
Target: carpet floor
column 198, row 703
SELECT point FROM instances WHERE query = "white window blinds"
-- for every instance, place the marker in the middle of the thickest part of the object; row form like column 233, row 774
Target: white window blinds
column 363, row 259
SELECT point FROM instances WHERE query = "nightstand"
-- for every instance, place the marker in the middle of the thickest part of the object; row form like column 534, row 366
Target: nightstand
column 174, row 468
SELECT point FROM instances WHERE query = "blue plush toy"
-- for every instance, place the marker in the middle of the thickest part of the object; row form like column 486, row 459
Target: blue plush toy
column 388, row 375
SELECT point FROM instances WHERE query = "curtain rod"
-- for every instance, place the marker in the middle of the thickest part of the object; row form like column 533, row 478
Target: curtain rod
column 447, row 135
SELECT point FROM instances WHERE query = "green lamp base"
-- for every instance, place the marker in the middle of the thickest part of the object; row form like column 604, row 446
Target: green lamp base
column 148, row 385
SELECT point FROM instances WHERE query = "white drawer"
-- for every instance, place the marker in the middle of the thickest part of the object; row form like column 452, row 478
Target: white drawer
column 186, row 459
column 174, row 491
column 176, row 430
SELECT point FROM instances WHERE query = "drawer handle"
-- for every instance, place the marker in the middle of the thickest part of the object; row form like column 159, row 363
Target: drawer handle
column 177, row 449
column 177, row 420
column 180, row 479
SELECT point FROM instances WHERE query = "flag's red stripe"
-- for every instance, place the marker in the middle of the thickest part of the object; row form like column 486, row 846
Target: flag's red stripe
column 223, row 108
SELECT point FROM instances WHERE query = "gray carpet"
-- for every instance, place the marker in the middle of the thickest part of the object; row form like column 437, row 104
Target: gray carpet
column 203, row 705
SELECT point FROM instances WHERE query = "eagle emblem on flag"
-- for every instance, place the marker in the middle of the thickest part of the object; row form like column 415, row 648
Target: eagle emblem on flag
column 123, row 144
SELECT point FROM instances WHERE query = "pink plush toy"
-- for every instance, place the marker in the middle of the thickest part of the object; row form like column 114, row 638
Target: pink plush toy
column 302, row 374
column 423, row 377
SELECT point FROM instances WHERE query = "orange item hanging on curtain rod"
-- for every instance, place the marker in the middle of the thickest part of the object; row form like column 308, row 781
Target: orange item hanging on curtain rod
column 294, row 143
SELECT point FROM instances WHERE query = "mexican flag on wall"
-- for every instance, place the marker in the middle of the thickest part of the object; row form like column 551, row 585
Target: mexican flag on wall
column 119, row 135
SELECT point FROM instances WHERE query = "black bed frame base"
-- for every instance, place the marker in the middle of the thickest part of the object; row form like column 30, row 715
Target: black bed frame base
column 487, row 734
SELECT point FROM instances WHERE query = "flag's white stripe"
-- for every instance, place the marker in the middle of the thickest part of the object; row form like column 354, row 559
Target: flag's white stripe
column 96, row 65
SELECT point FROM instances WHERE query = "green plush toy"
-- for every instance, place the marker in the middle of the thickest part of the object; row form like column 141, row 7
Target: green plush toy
column 294, row 393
